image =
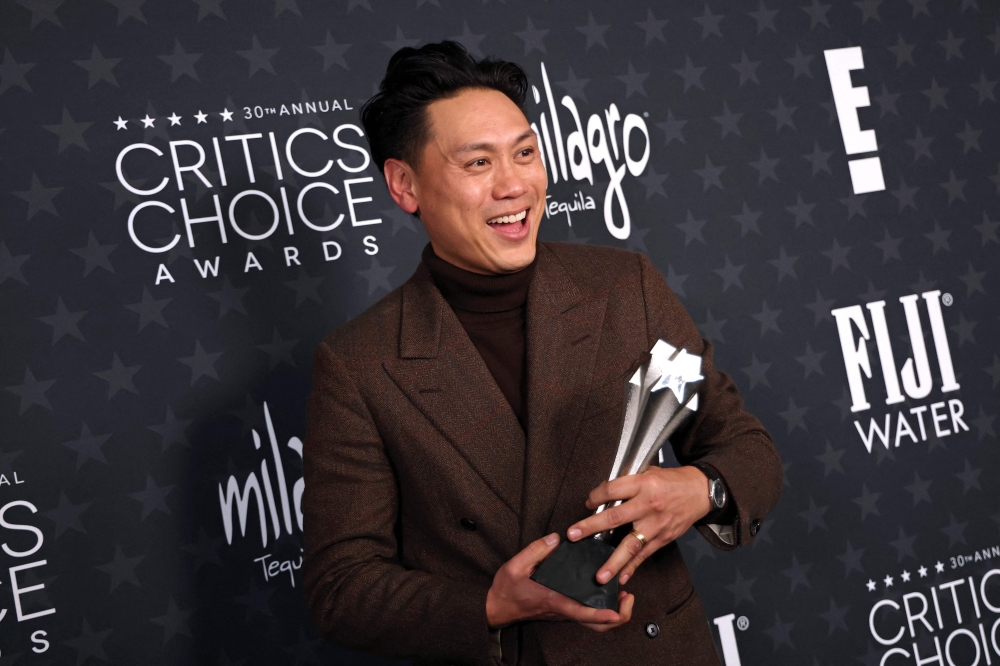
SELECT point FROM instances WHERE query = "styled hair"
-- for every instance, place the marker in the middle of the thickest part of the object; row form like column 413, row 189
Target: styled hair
column 395, row 118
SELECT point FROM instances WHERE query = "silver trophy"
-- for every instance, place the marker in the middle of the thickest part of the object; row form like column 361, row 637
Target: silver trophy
column 659, row 397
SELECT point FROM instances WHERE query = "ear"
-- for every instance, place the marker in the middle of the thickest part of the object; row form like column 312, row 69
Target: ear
column 399, row 179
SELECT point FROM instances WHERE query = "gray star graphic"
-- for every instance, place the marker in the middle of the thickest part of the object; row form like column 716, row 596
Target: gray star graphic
column 902, row 51
column 996, row 178
column 149, row 310
column 995, row 38
column 710, row 175
column 814, row 516
column 872, row 294
column 963, row 329
column 206, row 7
column 768, row 319
column 306, row 288
column 89, row 644
column 42, row 10
column 129, row 9
column 785, row 265
column 843, row 404
column 471, row 40
column 172, row 430
column 741, row 589
column 851, row 559
column 653, row 182
column 984, row 422
column 39, row 198
column 279, row 350
column 922, row 284
column 674, row 129
column 730, row 274
column 939, row 237
column 593, row 32
column 282, row 6
column 811, row 361
column 973, row 281
column 920, row 7
column 152, row 497
column 869, row 10
column 819, row 159
column 88, row 446
column 817, row 14
column 794, row 416
column 202, row 363
column 99, row 68
column 952, row 46
column 800, row 63
column 205, row 550
column 782, row 115
column 95, row 255
column 181, row 63
column 821, row 308
column 936, row 94
column 955, row 531
column 692, row 229
column 746, row 68
column 674, row 281
column 700, row 546
column 121, row 569
column 765, row 167
column 921, row 145
column 756, row 371
column 831, row 461
column 574, row 86
column 905, row 195
column 691, row 74
column 174, row 622
column 400, row 219
column 709, row 23
column 229, row 298
column 711, row 328
column 64, row 322
column 351, row 4
column 764, row 18
column 904, row 545
column 969, row 477
column 835, row 617
column 12, row 73
column 256, row 600
column 868, row 502
column 748, row 220
column 533, row 38
column 652, row 27
column 984, row 88
column 780, row 633
column 886, row 102
column 889, row 247
column 633, row 81
column 119, row 377
column 802, row 211
column 377, row 276
column 32, row 391
column 837, row 256
column 66, row 515
column 797, row 574
column 259, row 57
column 10, row 266
column 969, row 138
column 729, row 121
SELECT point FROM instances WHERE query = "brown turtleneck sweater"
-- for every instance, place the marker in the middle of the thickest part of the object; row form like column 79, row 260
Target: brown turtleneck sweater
column 492, row 310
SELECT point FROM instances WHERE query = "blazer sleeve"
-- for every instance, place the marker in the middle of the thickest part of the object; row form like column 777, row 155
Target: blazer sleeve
column 358, row 596
column 721, row 433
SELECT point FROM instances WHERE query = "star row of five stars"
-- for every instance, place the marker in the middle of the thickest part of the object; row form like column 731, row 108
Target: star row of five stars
column 905, row 576
column 174, row 119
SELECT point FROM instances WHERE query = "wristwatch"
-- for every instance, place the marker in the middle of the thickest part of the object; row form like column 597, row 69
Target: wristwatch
column 716, row 488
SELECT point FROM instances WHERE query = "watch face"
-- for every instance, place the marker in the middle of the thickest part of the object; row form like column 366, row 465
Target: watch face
column 718, row 494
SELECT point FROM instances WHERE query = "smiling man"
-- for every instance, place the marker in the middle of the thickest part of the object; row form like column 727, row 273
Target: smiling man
column 461, row 426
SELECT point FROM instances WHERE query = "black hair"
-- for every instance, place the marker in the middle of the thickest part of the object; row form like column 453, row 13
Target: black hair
column 395, row 118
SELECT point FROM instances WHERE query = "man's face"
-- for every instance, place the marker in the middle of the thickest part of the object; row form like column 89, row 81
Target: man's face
column 479, row 167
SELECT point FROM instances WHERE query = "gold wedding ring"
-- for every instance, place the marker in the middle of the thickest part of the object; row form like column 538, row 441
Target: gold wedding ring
column 638, row 535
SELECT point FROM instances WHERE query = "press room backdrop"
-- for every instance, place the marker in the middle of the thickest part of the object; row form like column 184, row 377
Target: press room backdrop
column 189, row 207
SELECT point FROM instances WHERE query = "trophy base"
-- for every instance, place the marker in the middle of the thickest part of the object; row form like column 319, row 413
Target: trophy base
column 572, row 569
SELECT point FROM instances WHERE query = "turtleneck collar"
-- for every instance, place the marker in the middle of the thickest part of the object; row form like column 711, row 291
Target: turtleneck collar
column 475, row 292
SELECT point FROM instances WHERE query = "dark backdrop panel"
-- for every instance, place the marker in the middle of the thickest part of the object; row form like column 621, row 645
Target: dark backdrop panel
column 143, row 392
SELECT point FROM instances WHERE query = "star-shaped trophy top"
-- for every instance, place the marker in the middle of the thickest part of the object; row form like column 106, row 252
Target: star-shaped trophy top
column 677, row 368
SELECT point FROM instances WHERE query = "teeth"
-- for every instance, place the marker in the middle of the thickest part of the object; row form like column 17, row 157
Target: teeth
column 507, row 219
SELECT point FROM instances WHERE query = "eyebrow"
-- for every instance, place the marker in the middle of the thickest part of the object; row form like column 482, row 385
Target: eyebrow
column 485, row 145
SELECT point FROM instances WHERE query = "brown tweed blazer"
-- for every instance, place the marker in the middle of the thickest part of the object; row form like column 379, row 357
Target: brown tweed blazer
column 410, row 443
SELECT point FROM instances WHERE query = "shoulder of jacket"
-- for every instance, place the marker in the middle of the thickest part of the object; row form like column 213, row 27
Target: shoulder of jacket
column 601, row 266
column 365, row 331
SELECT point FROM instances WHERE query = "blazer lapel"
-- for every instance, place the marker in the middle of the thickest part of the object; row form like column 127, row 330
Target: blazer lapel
column 564, row 330
column 442, row 373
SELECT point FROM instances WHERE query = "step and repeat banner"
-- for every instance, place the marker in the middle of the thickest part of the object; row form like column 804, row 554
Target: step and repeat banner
column 189, row 207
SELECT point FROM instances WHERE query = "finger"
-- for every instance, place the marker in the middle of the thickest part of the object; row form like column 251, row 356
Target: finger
column 626, row 550
column 536, row 551
column 608, row 519
column 633, row 564
column 574, row 610
column 625, row 603
column 622, row 488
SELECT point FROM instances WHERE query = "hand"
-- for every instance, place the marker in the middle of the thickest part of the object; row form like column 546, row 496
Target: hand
column 514, row 596
column 660, row 503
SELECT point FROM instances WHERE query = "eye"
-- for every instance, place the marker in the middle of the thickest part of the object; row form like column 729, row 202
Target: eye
column 527, row 151
column 482, row 161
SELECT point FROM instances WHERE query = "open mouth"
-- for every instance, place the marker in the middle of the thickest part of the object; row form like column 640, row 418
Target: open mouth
column 513, row 226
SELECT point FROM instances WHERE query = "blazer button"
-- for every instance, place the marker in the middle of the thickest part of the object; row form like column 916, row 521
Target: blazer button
column 468, row 524
column 652, row 630
column 754, row 527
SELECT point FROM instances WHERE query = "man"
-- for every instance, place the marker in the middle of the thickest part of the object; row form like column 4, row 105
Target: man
column 465, row 422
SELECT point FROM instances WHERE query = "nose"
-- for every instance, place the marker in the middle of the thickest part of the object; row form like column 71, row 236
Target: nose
column 508, row 182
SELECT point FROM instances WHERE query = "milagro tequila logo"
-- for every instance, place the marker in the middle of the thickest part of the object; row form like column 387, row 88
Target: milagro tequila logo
column 582, row 149
column 937, row 419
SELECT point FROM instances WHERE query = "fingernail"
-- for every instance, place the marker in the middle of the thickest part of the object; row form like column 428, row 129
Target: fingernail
column 624, row 579
column 574, row 533
column 603, row 576
column 552, row 539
